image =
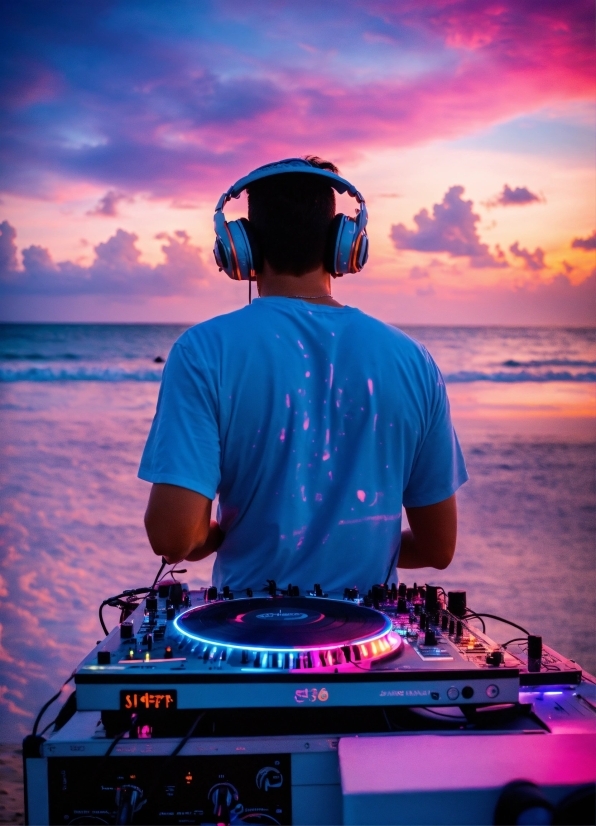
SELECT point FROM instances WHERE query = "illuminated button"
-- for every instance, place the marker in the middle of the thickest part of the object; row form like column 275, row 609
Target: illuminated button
column 167, row 654
column 492, row 691
column 453, row 693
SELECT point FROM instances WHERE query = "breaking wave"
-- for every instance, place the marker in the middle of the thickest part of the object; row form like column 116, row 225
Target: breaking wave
column 523, row 375
column 106, row 373
column 88, row 373
column 550, row 363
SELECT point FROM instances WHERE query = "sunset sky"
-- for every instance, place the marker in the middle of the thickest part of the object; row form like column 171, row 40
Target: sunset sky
column 468, row 125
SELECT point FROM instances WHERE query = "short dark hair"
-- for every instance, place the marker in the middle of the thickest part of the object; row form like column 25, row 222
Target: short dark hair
column 290, row 215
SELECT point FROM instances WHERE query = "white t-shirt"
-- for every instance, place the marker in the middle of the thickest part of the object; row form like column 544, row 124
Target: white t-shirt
column 314, row 424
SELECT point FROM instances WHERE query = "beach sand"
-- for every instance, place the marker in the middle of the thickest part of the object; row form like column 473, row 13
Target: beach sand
column 11, row 785
column 528, row 448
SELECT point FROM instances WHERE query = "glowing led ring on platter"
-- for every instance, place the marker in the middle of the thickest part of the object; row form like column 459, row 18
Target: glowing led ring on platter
column 382, row 637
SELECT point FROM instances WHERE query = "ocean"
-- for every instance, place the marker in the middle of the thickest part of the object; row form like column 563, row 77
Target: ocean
column 76, row 403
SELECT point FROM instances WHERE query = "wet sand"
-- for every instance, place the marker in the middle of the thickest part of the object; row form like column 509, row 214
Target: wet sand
column 11, row 784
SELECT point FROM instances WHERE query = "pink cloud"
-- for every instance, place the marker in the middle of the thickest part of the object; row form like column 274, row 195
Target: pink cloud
column 108, row 204
column 517, row 196
column 532, row 302
column 532, row 260
column 116, row 269
column 168, row 118
column 451, row 228
column 587, row 244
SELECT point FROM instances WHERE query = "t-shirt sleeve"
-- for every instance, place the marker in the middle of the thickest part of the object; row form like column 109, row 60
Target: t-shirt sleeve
column 183, row 447
column 439, row 468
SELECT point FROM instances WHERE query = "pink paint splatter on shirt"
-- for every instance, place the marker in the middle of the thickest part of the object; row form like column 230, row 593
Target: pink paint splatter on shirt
column 287, row 399
column 375, row 421
column 330, row 376
column 381, row 517
column 306, row 423
column 326, row 455
column 307, row 374
column 361, row 495
column 300, row 344
column 282, row 435
column 370, row 386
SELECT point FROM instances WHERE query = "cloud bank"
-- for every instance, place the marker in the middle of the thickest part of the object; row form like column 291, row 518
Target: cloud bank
column 116, row 268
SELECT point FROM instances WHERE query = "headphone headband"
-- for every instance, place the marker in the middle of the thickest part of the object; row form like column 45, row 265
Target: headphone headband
column 237, row 250
column 281, row 168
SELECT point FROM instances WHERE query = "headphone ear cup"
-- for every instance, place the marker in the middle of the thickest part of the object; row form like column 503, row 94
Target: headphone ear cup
column 330, row 256
column 243, row 245
column 253, row 243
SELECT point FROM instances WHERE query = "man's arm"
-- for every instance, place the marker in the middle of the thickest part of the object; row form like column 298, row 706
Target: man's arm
column 430, row 542
column 178, row 524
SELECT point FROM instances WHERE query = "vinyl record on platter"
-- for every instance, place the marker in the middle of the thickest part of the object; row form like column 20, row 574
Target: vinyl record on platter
column 284, row 623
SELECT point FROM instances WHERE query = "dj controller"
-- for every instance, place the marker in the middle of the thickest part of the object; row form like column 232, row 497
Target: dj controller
column 213, row 707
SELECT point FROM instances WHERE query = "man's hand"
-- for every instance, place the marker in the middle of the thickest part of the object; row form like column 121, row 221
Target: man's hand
column 430, row 542
column 178, row 524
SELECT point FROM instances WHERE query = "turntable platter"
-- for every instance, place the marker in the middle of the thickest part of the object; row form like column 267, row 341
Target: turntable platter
column 291, row 624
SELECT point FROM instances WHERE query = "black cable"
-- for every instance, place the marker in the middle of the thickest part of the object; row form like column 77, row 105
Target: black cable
column 186, row 738
column 102, row 623
column 116, row 602
column 515, row 639
column 117, row 739
column 43, row 731
column 500, row 619
column 478, row 618
column 48, row 704
column 387, row 720
column 162, row 566
column 171, row 573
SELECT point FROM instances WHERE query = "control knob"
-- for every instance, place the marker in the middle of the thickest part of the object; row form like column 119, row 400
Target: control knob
column 223, row 797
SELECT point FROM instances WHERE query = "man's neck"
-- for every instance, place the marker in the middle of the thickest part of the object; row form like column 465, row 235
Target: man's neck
column 314, row 286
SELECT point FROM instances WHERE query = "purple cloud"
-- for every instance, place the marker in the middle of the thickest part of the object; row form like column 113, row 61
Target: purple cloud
column 532, row 260
column 177, row 100
column 519, row 196
column 588, row 243
column 116, row 269
column 8, row 248
column 451, row 228
column 107, row 205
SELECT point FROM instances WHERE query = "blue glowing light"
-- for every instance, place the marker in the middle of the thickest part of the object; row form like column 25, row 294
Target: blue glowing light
column 392, row 640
